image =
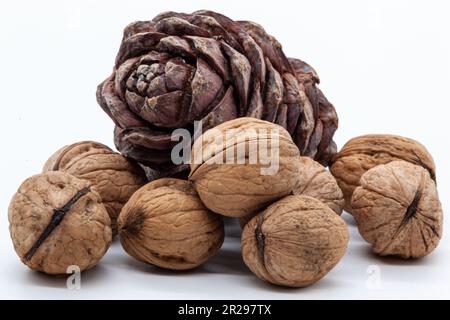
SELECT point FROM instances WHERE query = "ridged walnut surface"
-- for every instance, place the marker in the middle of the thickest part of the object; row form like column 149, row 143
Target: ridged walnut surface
column 113, row 176
column 165, row 224
column 81, row 238
column 398, row 211
column 295, row 242
column 237, row 190
column 179, row 67
column 363, row 153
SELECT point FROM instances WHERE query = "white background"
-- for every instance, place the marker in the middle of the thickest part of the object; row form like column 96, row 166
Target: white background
column 385, row 65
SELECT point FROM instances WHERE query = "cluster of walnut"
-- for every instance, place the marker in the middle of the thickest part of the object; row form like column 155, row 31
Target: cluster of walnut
column 69, row 214
column 292, row 234
column 179, row 68
column 66, row 216
column 114, row 177
column 295, row 235
column 389, row 184
column 178, row 225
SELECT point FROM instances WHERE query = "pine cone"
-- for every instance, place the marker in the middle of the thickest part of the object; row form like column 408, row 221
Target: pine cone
column 179, row 68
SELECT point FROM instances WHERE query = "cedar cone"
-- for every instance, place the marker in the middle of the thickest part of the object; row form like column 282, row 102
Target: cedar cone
column 178, row 68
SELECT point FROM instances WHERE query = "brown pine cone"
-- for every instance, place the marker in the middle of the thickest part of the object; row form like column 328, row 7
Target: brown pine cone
column 179, row 68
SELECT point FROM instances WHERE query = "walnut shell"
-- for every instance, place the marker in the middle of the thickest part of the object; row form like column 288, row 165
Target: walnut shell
column 114, row 177
column 57, row 221
column 317, row 182
column 236, row 190
column 398, row 211
column 365, row 152
column 295, row 242
column 166, row 224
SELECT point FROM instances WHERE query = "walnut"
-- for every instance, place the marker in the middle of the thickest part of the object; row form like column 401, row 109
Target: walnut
column 295, row 242
column 165, row 224
column 57, row 221
column 317, row 182
column 363, row 153
column 243, row 187
column 114, row 177
column 398, row 211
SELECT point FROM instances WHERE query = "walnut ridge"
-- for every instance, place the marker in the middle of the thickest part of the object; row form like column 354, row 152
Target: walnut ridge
column 365, row 152
column 113, row 176
column 236, row 190
column 57, row 221
column 165, row 224
column 398, row 211
column 295, row 242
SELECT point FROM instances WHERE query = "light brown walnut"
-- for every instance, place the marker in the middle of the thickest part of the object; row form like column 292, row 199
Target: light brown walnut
column 398, row 211
column 238, row 189
column 57, row 221
column 365, row 152
column 165, row 224
column 295, row 242
column 114, row 177
column 317, row 182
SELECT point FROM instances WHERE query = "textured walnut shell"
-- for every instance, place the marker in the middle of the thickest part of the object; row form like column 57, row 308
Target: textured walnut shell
column 236, row 190
column 295, row 242
column 317, row 182
column 398, row 211
column 114, row 177
column 166, row 224
column 57, row 221
column 363, row 153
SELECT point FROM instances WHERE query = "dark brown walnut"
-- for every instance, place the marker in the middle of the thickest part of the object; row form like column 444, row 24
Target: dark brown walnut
column 178, row 68
column 114, row 177
column 398, row 211
column 316, row 182
column 365, row 152
column 295, row 242
column 57, row 221
column 165, row 224
column 237, row 189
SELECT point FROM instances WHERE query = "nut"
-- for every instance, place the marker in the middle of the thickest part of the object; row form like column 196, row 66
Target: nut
column 114, row 177
column 166, row 224
column 57, row 221
column 398, row 211
column 238, row 189
column 295, row 242
column 363, row 153
column 316, row 182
